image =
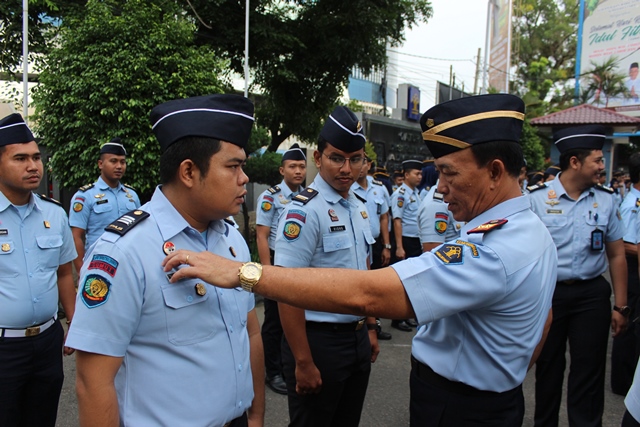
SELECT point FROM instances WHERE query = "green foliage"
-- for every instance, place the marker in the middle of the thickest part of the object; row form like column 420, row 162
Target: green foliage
column 265, row 168
column 370, row 151
column 533, row 147
column 604, row 82
column 111, row 65
column 302, row 52
column 259, row 138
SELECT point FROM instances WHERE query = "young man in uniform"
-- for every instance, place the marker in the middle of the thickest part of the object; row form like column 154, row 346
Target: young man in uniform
column 327, row 357
column 482, row 300
column 95, row 205
column 587, row 229
column 271, row 203
column 404, row 208
column 36, row 250
column 152, row 353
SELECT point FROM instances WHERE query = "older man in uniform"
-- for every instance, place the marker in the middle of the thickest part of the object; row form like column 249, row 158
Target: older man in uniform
column 271, row 203
column 327, row 357
column 482, row 300
column 152, row 353
column 36, row 250
column 95, row 205
column 626, row 347
column 587, row 229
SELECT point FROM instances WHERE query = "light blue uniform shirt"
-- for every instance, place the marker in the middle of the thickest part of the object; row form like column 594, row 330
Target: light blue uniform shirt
column 377, row 198
column 632, row 401
column 629, row 211
column 95, row 208
column 186, row 356
column 482, row 300
column 327, row 231
column 435, row 220
column 571, row 223
column 271, row 203
column 33, row 244
column 404, row 205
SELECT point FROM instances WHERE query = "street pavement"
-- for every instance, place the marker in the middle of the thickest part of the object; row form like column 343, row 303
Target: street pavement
column 387, row 401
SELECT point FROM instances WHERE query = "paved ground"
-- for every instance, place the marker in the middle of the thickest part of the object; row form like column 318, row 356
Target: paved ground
column 387, row 403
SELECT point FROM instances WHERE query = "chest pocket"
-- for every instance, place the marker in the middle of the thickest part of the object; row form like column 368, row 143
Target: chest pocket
column 102, row 207
column 8, row 268
column 49, row 256
column 189, row 315
column 336, row 241
column 411, row 206
column 554, row 221
column 368, row 237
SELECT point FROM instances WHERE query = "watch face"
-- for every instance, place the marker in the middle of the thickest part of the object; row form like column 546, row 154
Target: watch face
column 251, row 272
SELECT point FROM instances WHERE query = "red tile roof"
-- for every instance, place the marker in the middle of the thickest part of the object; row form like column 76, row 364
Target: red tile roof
column 585, row 114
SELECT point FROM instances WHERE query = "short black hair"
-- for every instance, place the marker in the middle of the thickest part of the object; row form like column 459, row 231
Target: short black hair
column 198, row 149
column 508, row 152
column 580, row 153
column 322, row 143
column 634, row 168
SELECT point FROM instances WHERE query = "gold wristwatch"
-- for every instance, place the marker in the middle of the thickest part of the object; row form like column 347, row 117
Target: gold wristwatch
column 250, row 273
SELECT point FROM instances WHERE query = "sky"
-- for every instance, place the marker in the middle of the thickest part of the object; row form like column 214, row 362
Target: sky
column 451, row 37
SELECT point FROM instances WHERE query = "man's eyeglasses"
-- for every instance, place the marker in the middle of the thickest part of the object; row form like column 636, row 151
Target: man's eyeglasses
column 339, row 161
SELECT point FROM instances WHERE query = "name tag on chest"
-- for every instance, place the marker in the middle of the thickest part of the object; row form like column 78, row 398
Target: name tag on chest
column 338, row 228
column 100, row 202
column 554, row 211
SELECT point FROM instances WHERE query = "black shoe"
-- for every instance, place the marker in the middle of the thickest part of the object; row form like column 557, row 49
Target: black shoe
column 401, row 325
column 411, row 322
column 277, row 384
column 384, row 336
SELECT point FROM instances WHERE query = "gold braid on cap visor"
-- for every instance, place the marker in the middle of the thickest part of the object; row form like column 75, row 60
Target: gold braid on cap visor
column 430, row 134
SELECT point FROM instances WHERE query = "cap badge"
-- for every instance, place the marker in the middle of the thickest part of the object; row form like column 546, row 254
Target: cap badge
column 358, row 126
column 430, row 123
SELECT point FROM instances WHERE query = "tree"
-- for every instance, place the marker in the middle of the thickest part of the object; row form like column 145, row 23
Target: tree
column 42, row 20
column 111, row 66
column 302, row 52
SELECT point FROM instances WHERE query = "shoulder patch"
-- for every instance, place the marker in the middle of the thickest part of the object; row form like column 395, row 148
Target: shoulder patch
column 438, row 196
column 274, row 189
column 129, row 187
column 488, row 226
column 95, row 290
column 49, row 199
column 87, row 187
column 362, row 199
column 306, row 195
column 376, row 182
column 532, row 188
column 605, row 189
column 126, row 222
column 450, row 254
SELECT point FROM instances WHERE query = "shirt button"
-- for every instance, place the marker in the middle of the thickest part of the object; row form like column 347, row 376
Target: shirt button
column 231, row 329
column 30, row 274
column 26, row 251
column 189, row 298
column 240, row 367
column 240, row 404
column 35, row 300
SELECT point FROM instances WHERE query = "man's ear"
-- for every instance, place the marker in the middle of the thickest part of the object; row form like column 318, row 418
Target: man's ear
column 188, row 173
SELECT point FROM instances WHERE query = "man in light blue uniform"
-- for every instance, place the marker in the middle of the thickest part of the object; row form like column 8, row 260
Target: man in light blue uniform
column 36, row 250
column 482, row 300
column 96, row 205
column 327, row 357
column 435, row 221
column 270, row 205
column 626, row 347
column 632, row 402
column 585, row 224
column 155, row 353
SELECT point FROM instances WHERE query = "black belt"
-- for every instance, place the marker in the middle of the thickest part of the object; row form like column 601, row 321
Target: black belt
column 575, row 281
column 425, row 373
column 336, row 327
column 238, row 420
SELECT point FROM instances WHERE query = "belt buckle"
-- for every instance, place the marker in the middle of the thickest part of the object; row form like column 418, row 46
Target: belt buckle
column 32, row 331
column 360, row 324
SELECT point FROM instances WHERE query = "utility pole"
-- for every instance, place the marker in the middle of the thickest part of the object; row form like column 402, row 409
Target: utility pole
column 475, row 81
column 451, row 82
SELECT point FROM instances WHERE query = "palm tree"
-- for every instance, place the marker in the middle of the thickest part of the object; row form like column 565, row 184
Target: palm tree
column 604, row 83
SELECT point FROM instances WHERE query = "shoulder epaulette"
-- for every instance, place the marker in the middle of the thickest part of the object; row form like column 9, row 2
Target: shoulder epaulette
column 376, row 182
column 306, row 195
column 274, row 189
column 536, row 187
column 49, row 199
column 230, row 222
column 605, row 189
column 86, row 187
column 126, row 222
column 637, row 203
column 438, row 196
column 129, row 187
column 488, row 226
column 401, row 190
column 359, row 197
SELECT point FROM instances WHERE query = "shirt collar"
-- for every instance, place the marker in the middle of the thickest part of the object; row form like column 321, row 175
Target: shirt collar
column 170, row 222
column 499, row 211
column 328, row 192
column 408, row 189
column 556, row 184
column 34, row 203
column 102, row 185
column 286, row 191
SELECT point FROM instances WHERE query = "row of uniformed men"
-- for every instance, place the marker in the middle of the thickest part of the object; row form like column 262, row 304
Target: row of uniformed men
column 145, row 300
